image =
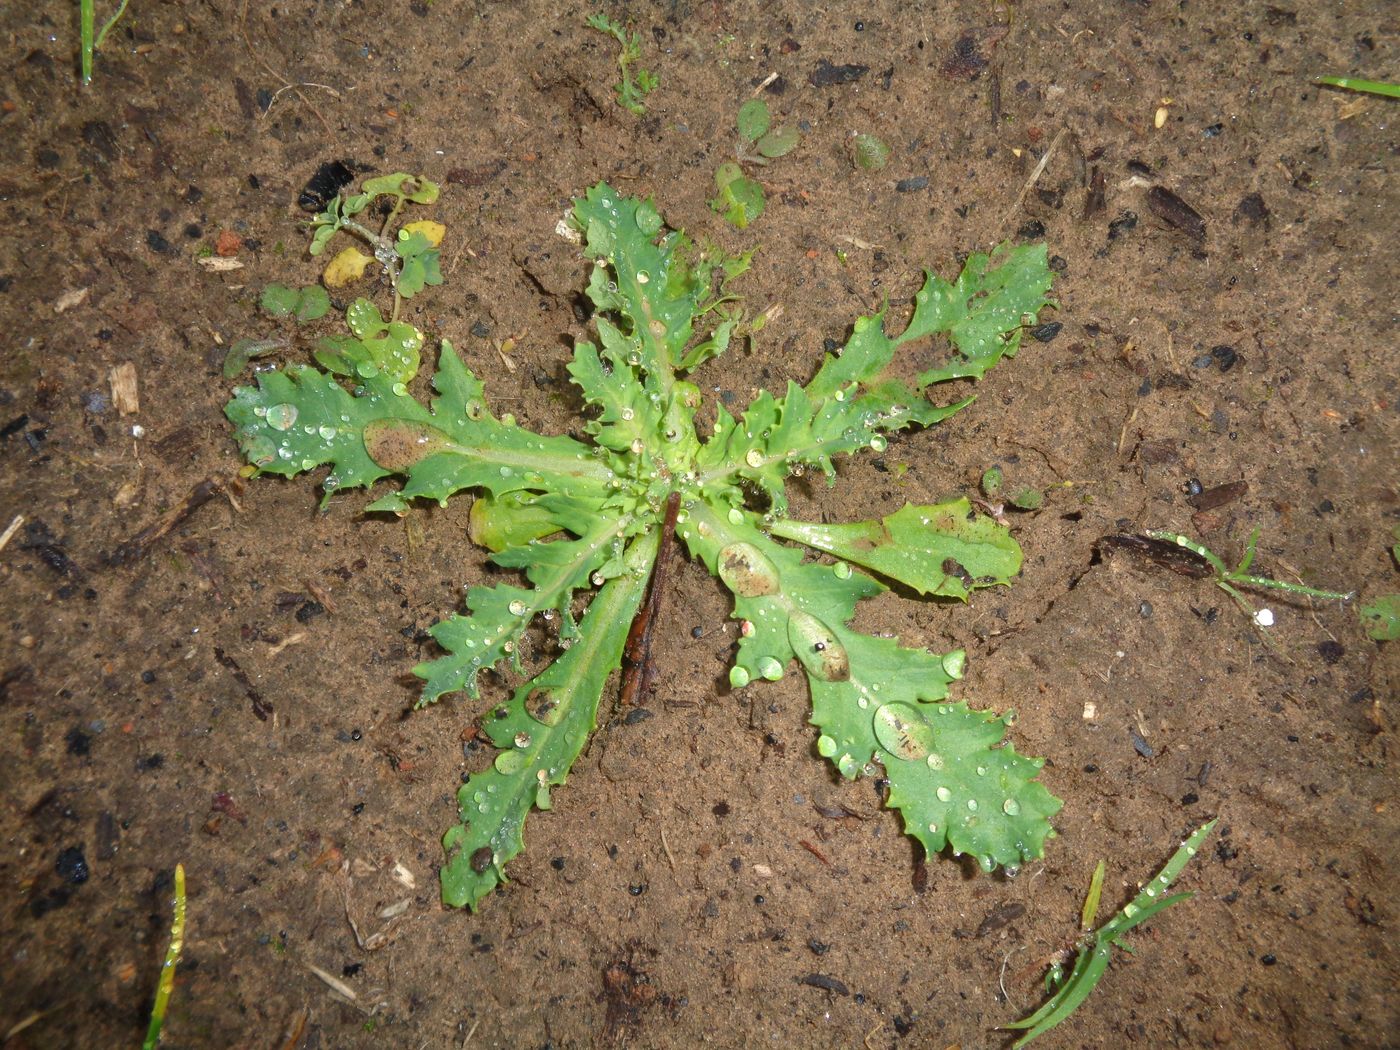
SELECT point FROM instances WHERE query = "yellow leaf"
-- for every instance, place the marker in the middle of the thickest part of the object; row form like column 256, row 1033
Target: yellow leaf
column 345, row 268
column 429, row 229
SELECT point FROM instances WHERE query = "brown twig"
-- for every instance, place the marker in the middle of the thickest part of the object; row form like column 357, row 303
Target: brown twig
column 636, row 655
column 139, row 545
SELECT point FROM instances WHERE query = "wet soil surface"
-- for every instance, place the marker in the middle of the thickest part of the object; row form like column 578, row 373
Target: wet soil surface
column 233, row 695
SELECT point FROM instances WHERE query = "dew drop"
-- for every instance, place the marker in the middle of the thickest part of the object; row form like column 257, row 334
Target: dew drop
column 643, row 277
column 878, row 443
column 509, row 762
column 943, row 794
column 754, row 458
column 1011, row 807
column 842, row 570
column 522, row 739
column 398, row 444
column 986, row 864
column 735, row 515
column 282, row 417
column 769, row 668
column 826, row 747
column 327, row 433
column 955, row 664
column 981, row 771
column 903, row 731
column 972, row 804
column 935, row 760
column 738, row 676
column 817, row 647
column 746, row 570
column 847, row 765
column 400, row 390
column 517, row 608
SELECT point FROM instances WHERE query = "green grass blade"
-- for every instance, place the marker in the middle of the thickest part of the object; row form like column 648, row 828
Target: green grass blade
column 1370, row 87
column 1092, row 961
column 1091, row 899
column 167, row 972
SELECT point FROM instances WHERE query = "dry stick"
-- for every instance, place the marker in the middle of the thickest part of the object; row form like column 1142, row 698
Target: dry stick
column 636, row 671
column 10, row 530
column 137, row 547
column 286, row 84
column 1035, row 177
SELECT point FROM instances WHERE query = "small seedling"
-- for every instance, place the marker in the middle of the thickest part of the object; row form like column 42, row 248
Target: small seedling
column 1381, row 618
column 1230, row 581
column 994, row 487
column 1369, row 87
column 300, row 304
column 571, row 514
column 1095, row 949
column 166, row 984
column 868, row 153
column 630, row 91
column 740, row 199
column 89, row 41
column 409, row 258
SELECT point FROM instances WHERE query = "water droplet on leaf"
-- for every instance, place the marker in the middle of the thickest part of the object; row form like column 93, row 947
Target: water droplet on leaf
column 509, row 762
column 816, row 646
column 282, row 417
column 747, row 571
column 903, row 732
column 955, row 664
column 399, row 444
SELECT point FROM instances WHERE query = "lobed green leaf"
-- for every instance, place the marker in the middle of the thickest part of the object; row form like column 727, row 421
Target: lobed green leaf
column 542, row 730
column 945, row 549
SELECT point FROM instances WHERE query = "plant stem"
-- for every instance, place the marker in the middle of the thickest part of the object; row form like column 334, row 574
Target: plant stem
column 86, row 45
column 167, row 973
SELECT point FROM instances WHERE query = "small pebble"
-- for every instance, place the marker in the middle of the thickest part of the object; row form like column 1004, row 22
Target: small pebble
column 72, row 866
column 918, row 182
column 1225, row 356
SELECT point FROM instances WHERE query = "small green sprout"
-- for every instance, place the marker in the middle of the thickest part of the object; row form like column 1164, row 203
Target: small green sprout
column 739, row 198
column 1096, row 949
column 89, row 41
column 630, row 92
column 869, row 153
column 409, row 257
column 1370, row 87
column 1230, row 580
column 166, row 984
column 300, row 304
column 1381, row 618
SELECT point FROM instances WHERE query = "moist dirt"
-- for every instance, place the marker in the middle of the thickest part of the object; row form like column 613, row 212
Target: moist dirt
column 235, row 695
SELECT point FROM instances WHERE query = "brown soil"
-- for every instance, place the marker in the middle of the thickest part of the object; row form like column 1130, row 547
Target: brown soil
column 670, row 899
